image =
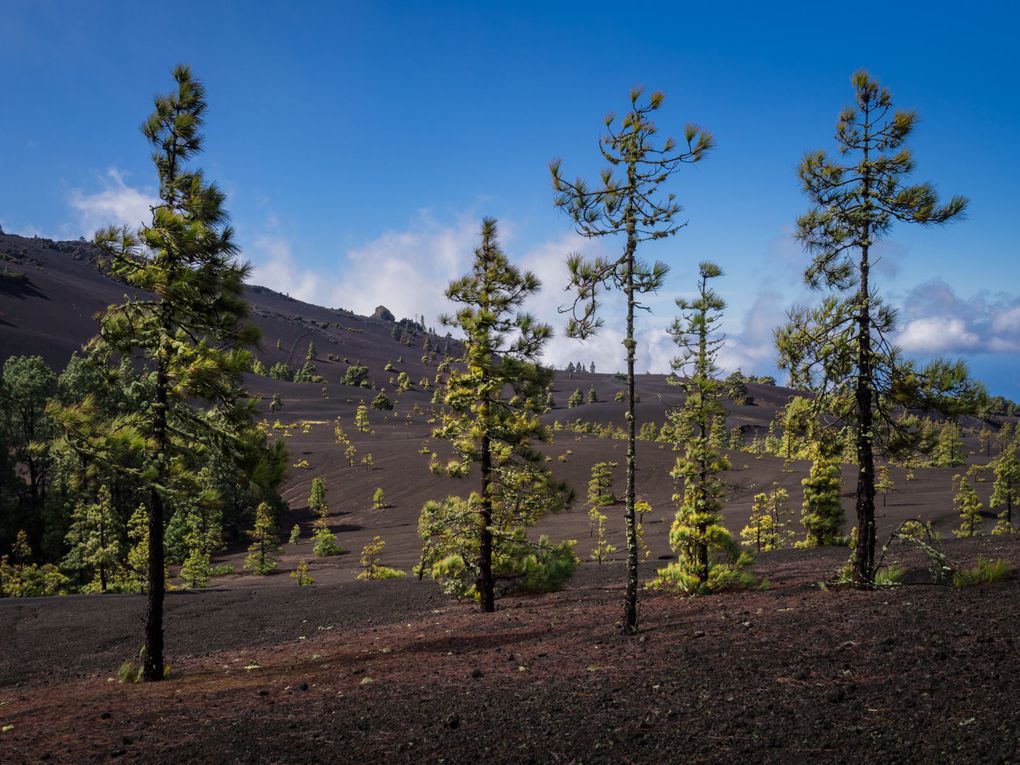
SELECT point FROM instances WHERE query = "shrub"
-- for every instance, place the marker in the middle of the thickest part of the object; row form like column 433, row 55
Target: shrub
column 295, row 534
column 370, row 555
column 281, row 371
column 324, row 543
column 265, row 545
column 356, row 375
column 986, row 571
column 301, row 574
column 382, row 401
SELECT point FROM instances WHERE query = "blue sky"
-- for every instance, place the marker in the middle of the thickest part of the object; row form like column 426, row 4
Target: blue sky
column 360, row 145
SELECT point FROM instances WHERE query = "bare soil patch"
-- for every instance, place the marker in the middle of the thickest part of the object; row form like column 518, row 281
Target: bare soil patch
column 382, row 674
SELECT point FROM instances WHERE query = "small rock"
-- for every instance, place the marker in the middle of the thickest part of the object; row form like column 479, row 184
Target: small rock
column 699, row 633
column 303, row 687
column 476, row 673
column 835, row 695
column 105, row 716
column 453, row 721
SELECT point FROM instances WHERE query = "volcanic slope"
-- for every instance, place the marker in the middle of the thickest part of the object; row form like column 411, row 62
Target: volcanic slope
column 50, row 310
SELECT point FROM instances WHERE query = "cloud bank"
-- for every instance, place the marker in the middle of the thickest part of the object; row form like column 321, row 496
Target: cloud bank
column 935, row 320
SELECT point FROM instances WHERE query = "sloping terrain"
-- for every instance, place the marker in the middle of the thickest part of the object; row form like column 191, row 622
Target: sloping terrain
column 348, row 671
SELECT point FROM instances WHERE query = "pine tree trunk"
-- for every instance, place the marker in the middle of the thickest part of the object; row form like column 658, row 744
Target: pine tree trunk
column 153, row 665
column 486, row 583
column 864, row 559
column 630, row 607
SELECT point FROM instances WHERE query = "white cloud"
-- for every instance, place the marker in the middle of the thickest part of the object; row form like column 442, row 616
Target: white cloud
column 115, row 204
column 751, row 348
column 934, row 334
column 1008, row 321
column 938, row 321
column 277, row 270
column 408, row 271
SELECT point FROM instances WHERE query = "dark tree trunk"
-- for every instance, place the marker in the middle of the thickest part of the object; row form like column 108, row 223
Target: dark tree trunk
column 630, row 516
column 864, row 558
column 486, row 582
column 153, row 665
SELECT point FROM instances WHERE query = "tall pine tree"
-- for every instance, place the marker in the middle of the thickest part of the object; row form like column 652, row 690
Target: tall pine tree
column 486, row 427
column 187, row 322
column 840, row 348
column 706, row 553
column 633, row 207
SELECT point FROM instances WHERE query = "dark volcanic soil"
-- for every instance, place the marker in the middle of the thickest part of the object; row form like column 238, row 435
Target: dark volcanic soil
column 378, row 673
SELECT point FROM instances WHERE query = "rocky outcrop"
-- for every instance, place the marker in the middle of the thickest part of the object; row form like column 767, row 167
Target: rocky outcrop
column 382, row 312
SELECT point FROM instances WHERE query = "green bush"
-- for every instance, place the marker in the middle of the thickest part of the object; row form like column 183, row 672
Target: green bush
column 324, row 544
column 986, row 571
column 281, row 371
column 356, row 375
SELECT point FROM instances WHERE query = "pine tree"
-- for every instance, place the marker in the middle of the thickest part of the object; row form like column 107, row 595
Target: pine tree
column 593, row 397
column 600, row 485
column 501, row 349
column 765, row 528
column 822, row 516
column 967, row 504
column 361, row 419
column 707, row 557
column 344, row 442
column 601, row 548
column 190, row 328
column 381, row 402
column 201, row 521
column 884, row 483
column 370, row 562
column 317, row 501
column 301, row 574
column 839, row 349
column 324, row 543
column 949, row 449
column 798, row 427
column 379, row 499
column 630, row 206
column 95, row 540
column 26, row 383
column 1006, row 490
column 265, row 544
column 576, row 399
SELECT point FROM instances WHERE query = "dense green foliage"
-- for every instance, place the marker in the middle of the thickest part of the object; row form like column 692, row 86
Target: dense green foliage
column 822, row 516
column 708, row 559
column 173, row 430
column 494, row 431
